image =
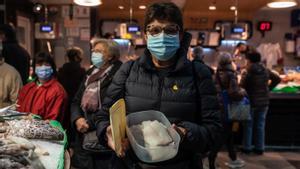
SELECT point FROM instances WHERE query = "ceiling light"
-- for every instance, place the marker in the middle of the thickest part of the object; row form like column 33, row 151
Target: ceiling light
column 212, row 7
column 88, row 2
column 142, row 7
column 282, row 3
column 233, row 8
column 121, row 7
column 37, row 7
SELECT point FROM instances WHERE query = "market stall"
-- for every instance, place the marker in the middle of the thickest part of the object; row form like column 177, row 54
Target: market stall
column 282, row 126
column 26, row 141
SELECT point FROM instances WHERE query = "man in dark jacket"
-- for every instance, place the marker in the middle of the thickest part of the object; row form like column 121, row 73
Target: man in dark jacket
column 163, row 79
column 256, row 82
column 70, row 75
column 13, row 53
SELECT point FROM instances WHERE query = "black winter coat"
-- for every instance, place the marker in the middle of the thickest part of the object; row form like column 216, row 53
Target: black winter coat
column 173, row 92
column 18, row 57
column 70, row 75
column 226, row 79
column 76, row 111
column 255, row 80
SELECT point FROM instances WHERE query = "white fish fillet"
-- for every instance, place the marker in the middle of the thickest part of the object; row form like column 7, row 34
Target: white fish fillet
column 151, row 134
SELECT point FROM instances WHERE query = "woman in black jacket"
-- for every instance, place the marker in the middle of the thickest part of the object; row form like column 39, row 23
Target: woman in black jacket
column 163, row 79
column 226, row 79
column 88, row 100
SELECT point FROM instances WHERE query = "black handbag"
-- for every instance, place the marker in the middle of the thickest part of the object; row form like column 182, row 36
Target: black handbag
column 91, row 143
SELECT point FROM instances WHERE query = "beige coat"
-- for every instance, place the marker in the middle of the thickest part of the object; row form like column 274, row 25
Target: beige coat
column 10, row 84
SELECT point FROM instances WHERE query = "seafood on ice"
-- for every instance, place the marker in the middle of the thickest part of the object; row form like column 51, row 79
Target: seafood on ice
column 31, row 129
column 18, row 153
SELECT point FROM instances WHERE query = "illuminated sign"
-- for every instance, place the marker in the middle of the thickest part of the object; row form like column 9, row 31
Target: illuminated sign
column 46, row 28
column 264, row 26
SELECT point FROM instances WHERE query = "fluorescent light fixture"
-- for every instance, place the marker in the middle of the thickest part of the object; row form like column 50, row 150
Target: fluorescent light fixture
column 142, row 7
column 121, row 7
column 282, row 3
column 233, row 8
column 88, row 2
column 212, row 7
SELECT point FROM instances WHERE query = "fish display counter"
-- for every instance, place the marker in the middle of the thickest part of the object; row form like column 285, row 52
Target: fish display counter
column 28, row 142
column 282, row 123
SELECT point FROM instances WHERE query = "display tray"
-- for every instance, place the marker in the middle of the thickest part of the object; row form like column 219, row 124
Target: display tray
column 49, row 149
column 55, row 151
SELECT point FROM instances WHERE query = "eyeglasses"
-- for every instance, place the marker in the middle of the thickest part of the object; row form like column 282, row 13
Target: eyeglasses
column 168, row 29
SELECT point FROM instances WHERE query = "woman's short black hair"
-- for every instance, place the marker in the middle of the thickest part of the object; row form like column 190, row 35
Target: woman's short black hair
column 253, row 57
column 44, row 57
column 74, row 54
column 240, row 44
column 164, row 11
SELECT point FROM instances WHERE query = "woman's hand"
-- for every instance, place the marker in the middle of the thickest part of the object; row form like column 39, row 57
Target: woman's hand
column 81, row 125
column 181, row 131
column 110, row 142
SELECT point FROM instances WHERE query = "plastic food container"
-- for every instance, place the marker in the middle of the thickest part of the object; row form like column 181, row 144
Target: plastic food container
column 153, row 154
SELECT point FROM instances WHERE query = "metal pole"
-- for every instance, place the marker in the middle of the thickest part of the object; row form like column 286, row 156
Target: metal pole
column 131, row 11
column 236, row 12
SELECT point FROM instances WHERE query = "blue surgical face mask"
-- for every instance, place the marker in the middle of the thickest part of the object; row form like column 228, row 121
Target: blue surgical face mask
column 163, row 46
column 44, row 72
column 97, row 59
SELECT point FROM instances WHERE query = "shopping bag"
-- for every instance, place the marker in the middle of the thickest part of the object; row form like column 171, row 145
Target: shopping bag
column 236, row 110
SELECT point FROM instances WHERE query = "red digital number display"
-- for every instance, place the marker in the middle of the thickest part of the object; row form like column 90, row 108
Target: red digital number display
column 265, row 26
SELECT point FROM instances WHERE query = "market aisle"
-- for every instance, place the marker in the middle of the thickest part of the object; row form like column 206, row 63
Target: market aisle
column 270, row 160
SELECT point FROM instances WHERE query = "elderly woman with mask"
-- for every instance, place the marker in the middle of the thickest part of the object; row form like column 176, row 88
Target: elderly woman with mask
column 88, row 100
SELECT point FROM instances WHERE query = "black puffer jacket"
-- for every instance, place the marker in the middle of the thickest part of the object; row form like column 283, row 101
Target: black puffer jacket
column 226, row 79
column 255, row 80
column 145, row 88
column 70, row 75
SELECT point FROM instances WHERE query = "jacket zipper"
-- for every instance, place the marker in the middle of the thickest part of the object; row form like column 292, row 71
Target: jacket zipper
column 161, row 84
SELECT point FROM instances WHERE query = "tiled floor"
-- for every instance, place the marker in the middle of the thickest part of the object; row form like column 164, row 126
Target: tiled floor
column 270, row 160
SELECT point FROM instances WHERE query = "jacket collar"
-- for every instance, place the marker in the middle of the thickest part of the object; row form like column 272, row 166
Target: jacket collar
column 181, row 55
column 48, row 83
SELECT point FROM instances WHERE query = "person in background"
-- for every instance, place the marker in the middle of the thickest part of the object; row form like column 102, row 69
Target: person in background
column 14, row 54
column 255, row 79
column 239, row 55
column 10, row 82
column 45, row 96
column 88, row 100
column 70, row 75
column 240, row 49
column 163, row 79
column 109, row 35
column 197, row 54
column 226, row 79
